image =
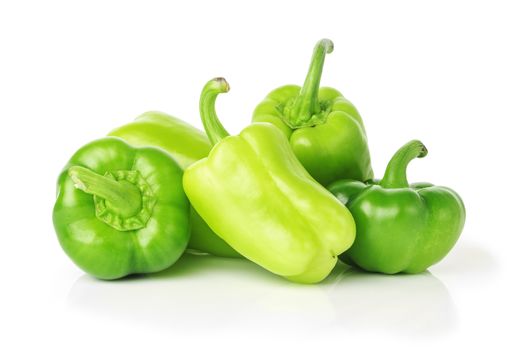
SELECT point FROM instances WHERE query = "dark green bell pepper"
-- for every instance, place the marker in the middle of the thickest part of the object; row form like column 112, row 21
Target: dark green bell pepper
column 121, row 210
column 324, row 129
column 186, row 145
column 400, row 228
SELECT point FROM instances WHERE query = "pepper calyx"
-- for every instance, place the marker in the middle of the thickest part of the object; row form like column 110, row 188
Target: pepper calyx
column 123, row 199
column 316, row 119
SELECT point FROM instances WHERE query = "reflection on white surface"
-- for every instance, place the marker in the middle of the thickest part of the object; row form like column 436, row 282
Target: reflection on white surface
column 409, row 304
column 206, row 291
column 469, row 263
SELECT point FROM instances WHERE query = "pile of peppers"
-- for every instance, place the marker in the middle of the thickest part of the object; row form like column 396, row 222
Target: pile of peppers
column 293, row 192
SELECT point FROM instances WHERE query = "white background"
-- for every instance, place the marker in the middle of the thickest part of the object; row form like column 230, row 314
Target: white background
column 445, row 72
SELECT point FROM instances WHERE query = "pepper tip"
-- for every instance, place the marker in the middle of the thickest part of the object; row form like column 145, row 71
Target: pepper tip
column 73, row 174
column 222, row 84
column 423, row 150
column 327, row 44
column 420, row 149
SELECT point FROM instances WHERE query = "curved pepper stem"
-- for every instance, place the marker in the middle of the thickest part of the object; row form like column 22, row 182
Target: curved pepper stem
column 213, row 127
column 123, row 197
column 396, row 171
column 306, row 104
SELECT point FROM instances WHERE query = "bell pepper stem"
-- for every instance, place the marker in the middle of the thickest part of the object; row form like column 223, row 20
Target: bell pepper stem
column 306, row 104
column 213, row 127
column 124, row 198
column 396, row 171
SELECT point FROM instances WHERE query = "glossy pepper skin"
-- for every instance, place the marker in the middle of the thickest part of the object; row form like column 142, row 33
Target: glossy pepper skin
column 186, row 145
column 254, row 193
column 121, row 210
column 324, row 129
column 401, row 227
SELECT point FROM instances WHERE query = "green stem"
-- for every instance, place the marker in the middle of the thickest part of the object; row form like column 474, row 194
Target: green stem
column 213, row 127
column 396, row 172
column 306, row 104
column 123, row 197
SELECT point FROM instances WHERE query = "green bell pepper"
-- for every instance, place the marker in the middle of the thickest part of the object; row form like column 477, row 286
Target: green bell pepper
column 185, row 144
column 324, row 129
column 254, row 193
column 400, row 228
column 121, row 210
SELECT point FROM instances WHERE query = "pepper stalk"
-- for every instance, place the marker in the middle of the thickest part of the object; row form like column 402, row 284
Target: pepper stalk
column 396, row 172
column 213, row 127
column 306, row 105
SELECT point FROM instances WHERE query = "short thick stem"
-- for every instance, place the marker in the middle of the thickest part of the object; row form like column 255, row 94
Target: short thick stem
column 396, row 171
column 122, row 197
column 213, row 127
column 306, row 104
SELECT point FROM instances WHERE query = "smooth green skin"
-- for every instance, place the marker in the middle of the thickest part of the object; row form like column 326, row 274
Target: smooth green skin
column 400, row 228
column 186, row 145
column 254, row 193
column 324, row 129
column 101, row 249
